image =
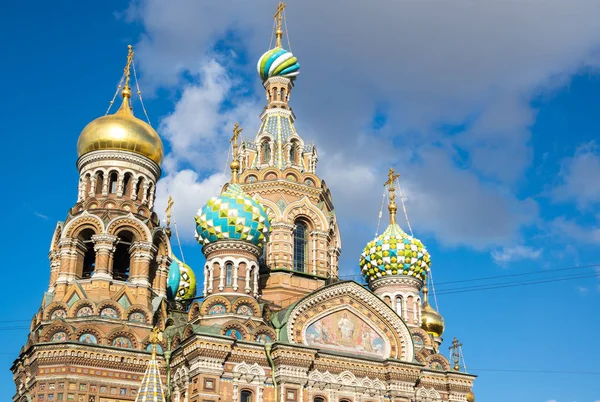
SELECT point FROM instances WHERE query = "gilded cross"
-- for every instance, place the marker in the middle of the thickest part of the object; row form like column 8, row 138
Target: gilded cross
column 455, row 353
column 127, row 70
column 392, row 207
column 279, row 17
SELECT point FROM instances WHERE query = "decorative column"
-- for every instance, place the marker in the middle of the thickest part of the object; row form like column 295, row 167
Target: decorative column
column 221, row 277
column 164, row 262
column 151, row 197
column 72, row 252
column 145, row 187
column 104, row 246
column 105, row 181
column 141, row 254
column 236, row 268
column 54, row 257
column 211, row 278
column 120, row 188
column 92, row 191
column 206, row 279
column 248, row 274
column 81, row 192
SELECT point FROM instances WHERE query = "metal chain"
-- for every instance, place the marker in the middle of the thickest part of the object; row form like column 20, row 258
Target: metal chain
column 404, row 207
column 119, row 86
column 137, row 86
column 272, row 34
column 380, row 214
column 286, row 32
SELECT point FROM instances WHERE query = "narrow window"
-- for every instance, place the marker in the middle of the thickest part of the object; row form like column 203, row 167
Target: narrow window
column 399, row 305
column 99, row 182
column 122, row 258
column 300, row 246
column 228, row 274
column 127, row 184
column 246, row 396
column 294, row 153
column 89, row 258
column 113, row 183
column 266, row 152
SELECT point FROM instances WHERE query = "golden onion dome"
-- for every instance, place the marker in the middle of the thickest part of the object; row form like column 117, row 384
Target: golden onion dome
column 471, row 396
column 431, row 320
column 121, row 131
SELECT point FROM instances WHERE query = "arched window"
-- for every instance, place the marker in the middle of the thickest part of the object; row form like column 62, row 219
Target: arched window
column 345, row 400
column 99, row 182
column 294, row 153
column 112, row 186
column 246, row 396
column 300, row 246
column 121, row 258
column 266, row 151
column 140, row 188
column 399, row 305
column 127, row 184
column 319, row 399
column 89, row 258
column 228, row 274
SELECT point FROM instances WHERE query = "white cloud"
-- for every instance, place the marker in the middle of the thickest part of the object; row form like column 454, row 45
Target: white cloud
column 425, row 64
column 190, row 192
column 565, row 228
column 579, row 177
column 516, row 253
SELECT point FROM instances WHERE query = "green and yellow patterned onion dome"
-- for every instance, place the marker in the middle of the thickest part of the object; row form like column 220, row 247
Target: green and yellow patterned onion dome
column 394, row 253
column 181, row 283
column 232, row 215
column 278, row 62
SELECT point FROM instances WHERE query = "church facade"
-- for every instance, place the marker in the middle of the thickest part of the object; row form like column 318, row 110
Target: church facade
column 272, row 320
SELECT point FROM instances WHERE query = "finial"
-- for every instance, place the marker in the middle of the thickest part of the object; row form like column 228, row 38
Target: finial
column 126, row 92
column 455, row 353
column 392, row 207
column 279, row 17
column 425, row 294
column 155, row 338
column 170, row 203
column 235, row 164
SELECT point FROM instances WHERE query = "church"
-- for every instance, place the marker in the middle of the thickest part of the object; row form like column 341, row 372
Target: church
column 123, row 318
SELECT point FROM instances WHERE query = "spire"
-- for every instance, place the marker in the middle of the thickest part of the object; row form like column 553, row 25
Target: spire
column 126, row 91
column 392, row 207
column 279, row 19
column 235, row 164
column 151, row 389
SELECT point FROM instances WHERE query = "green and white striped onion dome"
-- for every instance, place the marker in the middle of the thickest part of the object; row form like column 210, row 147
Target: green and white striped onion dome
column 394, row 253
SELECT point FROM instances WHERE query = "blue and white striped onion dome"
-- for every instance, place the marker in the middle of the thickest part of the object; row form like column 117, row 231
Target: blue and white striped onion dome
column 278, row 62
column 394, row 253
column 181, row 283
column 232, row 215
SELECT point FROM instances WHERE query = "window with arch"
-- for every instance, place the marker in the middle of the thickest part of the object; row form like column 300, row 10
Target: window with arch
column 122, row 258
column 228, row 274
column 294, row 153
column 99, row 182
column 127, row 184
column 112, row 183
column 399, row 305
column 139, row 188
column 88, row 264
column 300, row 246
column 345, row 400
column 319, row 399
column 246, row 396
column 265, row 151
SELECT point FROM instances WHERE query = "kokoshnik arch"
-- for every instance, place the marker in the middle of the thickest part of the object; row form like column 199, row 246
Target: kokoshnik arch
column 273, row 322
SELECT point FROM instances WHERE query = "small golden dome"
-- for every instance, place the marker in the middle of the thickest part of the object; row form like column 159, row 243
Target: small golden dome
column 431, row 320
column 470, row 396
column 121, row 131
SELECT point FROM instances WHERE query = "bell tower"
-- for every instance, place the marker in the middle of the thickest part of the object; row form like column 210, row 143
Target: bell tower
column 109, row 264
column 279, row 168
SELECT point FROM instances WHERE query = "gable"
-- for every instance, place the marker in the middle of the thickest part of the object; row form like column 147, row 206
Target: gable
column 347, row 318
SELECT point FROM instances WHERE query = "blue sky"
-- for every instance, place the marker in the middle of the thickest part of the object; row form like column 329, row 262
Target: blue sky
column 488, row 109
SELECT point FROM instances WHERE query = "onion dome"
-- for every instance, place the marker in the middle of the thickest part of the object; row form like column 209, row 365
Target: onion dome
column 122, row 130
column 471, row 396
column 431, row 321
column 394, row 253
column 232, row 215
column 278, row 62
column 181, row 283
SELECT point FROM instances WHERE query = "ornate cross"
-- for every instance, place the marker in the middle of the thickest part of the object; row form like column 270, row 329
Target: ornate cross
column 392, row 207
column 279, row 16
column 127, row 70
column 455, row 353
